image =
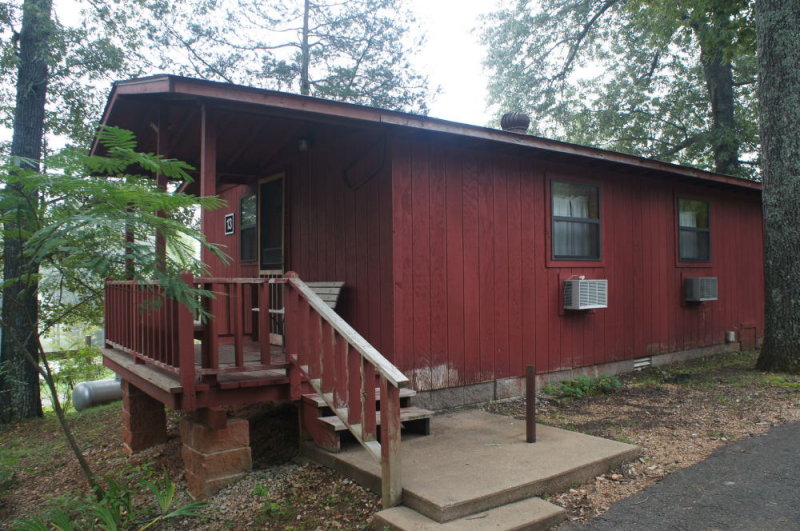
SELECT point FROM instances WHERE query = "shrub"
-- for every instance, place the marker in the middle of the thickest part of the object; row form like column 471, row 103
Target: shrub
column 583, row 386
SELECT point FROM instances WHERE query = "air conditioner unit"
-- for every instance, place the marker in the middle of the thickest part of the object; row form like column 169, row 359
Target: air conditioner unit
column 699, row 289
column 584, row 294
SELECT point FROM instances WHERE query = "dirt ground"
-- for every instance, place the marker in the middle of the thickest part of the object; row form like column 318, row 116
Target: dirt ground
column 678, row 415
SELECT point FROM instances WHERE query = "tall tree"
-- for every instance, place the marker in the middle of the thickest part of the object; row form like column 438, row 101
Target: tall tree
column 90, row 46
column 667, row 79
column 349, row 51
column 778, row 29
column 19, row 380
column 57, row 70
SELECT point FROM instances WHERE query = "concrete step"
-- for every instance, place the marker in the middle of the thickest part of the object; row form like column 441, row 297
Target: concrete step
column 474, row 461
column 531, row 514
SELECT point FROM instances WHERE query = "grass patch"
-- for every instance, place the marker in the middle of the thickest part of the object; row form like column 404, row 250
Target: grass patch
column 791, row 383
column 33, row 443
column 583, row 386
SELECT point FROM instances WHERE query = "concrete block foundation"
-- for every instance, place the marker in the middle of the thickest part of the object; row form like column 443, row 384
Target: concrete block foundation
column 471, row 395
column 213, row 458
column 144, row 421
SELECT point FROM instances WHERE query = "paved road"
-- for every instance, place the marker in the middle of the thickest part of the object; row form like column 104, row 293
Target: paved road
column 752, row 484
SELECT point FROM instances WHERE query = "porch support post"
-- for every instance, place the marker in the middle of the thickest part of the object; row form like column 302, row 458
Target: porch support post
column 144, row 421
column 208, row 176
column 214, row 453
column 162, row 149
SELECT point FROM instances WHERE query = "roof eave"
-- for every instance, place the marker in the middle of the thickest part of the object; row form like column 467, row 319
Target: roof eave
column 165, row 83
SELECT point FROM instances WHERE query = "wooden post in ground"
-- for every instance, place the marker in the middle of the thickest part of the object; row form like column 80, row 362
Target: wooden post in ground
column 530, row 403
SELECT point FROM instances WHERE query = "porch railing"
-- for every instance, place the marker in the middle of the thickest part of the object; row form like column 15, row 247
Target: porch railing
column 154, row 329
column 141, row 321
column 321, row 348
column 343, row 368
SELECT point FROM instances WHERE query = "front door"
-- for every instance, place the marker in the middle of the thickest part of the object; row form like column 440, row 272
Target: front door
column 271, row 245
column 271, row 225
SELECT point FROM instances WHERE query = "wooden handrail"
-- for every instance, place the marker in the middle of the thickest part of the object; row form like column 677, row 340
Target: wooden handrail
column 341, row 366
column 384, row 367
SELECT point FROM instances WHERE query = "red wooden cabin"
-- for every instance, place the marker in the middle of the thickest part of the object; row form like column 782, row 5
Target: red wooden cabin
column 454, row 244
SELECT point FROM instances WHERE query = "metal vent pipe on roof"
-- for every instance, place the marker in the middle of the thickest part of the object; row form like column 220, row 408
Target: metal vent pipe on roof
column 515, row 122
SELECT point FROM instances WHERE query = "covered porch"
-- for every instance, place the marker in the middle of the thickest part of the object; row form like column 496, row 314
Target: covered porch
column 242, row 349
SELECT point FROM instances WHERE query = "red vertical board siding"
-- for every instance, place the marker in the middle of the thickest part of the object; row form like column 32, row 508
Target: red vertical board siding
column 472, row 301
column 476, row 297
column 215, row 233
column 515, row 288
column 402, row 260
column 421, row 270
column 454, row 267
column 438, row 272
column 333, row 231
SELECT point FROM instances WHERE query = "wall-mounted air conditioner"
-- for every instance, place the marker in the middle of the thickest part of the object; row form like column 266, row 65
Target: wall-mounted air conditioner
column 699, row 289
column 585, row 294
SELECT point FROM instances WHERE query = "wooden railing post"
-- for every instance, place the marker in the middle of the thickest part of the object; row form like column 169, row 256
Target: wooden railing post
column 391, row 481
column 186, row 351
column 212, row 327
column 235, row 305
column 263, row 323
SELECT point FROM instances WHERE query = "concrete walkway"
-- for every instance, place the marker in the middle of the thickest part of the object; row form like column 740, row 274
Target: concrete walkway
column 475, row 463
column 752, row 484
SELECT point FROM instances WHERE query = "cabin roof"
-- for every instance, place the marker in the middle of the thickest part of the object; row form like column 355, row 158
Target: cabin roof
column 179, row 88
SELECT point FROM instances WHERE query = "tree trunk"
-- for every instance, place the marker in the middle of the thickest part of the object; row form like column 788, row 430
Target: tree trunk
column 305, row 51
column 778, row 35
column 714, row 35
column 19, row 380
column 725, row 144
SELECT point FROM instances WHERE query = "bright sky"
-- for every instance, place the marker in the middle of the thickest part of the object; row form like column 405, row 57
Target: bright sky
column 452, row 57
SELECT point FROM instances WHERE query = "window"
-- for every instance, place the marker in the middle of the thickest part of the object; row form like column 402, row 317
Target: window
column 694, row 235
column 576, row 221
column 247, row 230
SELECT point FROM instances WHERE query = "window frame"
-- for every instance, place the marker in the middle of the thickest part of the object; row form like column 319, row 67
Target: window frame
column 692, row 262
column 566, row 261
column 243, row 228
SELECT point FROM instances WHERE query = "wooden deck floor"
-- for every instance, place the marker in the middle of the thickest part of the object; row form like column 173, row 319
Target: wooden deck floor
column 252, row 354
column 168, row 382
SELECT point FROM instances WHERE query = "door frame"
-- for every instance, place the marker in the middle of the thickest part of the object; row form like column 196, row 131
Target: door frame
column 275, row 290
column 273, row 177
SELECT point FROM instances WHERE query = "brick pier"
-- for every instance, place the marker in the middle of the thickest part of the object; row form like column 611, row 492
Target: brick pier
column 144, row 421
column 215, row 452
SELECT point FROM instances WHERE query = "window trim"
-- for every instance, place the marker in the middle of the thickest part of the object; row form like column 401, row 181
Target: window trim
column 243, row 227
column 692, row 262
column 566, row 261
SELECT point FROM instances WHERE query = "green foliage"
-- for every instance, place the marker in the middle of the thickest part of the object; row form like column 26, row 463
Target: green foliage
column 78, row 365
column 627, row 75
column 584, row 386
column 116, row 511
column 97, row 43
column 785, row 381
column 356, row 50
column 271, row 509
column 76, row 240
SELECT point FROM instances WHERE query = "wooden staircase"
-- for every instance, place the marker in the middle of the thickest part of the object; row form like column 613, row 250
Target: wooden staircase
column 327, row 430
column 355, row 388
